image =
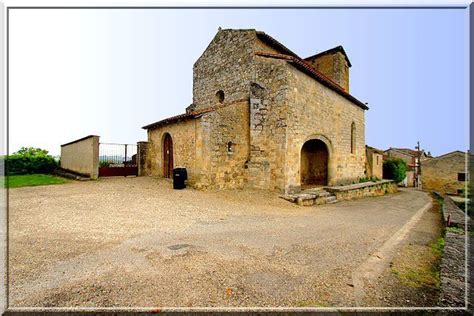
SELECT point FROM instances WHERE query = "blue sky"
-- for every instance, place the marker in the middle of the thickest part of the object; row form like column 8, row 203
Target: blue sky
column 110, row 72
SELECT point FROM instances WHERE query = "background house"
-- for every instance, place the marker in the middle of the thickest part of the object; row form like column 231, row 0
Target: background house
column 411, row 157
column 445, row 174
column 374, row 162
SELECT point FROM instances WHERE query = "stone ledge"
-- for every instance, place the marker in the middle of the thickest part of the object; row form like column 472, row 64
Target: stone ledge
column 361, row 190
column 349, row 187
column 452, row 214
column 453, row 279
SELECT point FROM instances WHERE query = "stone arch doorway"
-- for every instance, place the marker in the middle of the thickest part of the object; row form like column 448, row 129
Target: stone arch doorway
column 314, row 163
column 167, row 156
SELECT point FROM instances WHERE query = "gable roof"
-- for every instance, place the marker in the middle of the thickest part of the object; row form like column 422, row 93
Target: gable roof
column 308, row 69
column 274, row 43
column 375, row 150
column 406, row 151
column 336, row 49
column 289, row 56
column 451, row 153
column 180, row 117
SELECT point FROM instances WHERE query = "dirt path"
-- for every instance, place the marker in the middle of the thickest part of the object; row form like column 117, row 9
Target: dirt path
column 137, row 242
column 412, row 278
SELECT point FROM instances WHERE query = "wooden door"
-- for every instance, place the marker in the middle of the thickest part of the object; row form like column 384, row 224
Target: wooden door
column 167, row 156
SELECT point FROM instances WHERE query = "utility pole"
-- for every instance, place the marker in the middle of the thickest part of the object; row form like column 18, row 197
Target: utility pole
column 418, row 166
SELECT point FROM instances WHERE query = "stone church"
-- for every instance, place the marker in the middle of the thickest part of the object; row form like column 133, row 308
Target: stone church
column 263, row 117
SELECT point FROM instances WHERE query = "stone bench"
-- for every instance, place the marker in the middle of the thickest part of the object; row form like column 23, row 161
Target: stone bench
column 365, row 189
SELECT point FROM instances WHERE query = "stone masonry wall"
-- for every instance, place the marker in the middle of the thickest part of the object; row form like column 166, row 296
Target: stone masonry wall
column 268, row 115
column 453, row 272
column 225, row 147
column 229, row 64
column 441, row 174
column 316, row 112
column 183, row 135
column 225, row 65
column 333, row 66
column 361, row 190
column 374, row 164
column 142, row 163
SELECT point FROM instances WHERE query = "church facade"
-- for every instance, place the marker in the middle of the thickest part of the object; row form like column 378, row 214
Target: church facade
column 263, row 117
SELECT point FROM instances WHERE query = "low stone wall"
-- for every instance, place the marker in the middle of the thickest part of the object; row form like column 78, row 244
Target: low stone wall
column 360, row 190
column 453, row 215
column 453, row 264
column 82, row 156
column 453, row 272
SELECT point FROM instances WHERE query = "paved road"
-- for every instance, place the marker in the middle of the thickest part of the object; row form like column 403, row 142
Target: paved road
column 137, row 242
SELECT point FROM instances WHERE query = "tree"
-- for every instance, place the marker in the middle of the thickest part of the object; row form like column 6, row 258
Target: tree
column 394, row 169
column 31, row 152
column 29, row 160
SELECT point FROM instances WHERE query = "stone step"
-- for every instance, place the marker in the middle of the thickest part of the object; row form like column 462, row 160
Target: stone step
column 320, row 192
column 311, row 197
column 70, row 175
column 331, row 199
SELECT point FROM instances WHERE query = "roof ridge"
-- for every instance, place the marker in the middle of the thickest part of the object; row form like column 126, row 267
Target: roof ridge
column 327, row 51
column 450, row 153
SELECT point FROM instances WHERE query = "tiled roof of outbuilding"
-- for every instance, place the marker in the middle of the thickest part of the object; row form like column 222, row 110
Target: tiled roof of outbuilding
column 180, row 117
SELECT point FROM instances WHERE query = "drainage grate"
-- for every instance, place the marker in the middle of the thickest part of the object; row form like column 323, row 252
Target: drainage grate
column 178, row 246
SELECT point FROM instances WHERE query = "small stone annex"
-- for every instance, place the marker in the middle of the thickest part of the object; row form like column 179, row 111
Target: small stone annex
column 263, row 117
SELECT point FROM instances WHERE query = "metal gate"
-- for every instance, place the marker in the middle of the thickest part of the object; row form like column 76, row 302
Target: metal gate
column 117, row 160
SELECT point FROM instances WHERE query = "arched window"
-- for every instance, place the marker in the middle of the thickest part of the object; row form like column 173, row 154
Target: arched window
column 353, row 138
column 220, row 96
column 230, row 149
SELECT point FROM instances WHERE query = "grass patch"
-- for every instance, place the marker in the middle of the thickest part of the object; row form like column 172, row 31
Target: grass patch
column 455, row 230
column 311, row 303
column 420, row 267
column 438, row 246
column 368, row 179
column 31, row 180
column 438, row 200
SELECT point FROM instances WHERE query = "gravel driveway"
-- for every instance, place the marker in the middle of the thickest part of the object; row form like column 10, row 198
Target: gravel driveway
column 136, row 242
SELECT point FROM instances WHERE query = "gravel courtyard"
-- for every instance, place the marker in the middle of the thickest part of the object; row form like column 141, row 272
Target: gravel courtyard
column 136, row 242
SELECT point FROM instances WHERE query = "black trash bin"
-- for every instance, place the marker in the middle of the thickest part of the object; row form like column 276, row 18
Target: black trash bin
column 180, row 175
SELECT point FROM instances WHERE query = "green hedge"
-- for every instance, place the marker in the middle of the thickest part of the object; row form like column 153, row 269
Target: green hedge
column 394, row 169
column 30, row 161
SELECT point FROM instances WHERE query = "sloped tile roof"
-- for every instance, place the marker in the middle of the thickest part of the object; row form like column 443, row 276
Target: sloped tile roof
column 180, row 117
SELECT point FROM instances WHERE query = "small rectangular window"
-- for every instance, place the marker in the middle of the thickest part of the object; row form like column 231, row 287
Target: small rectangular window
column 461, row 176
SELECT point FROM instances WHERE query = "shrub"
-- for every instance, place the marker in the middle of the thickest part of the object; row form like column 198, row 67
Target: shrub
column 28, row 161
column 394, row 169
column 367, row 179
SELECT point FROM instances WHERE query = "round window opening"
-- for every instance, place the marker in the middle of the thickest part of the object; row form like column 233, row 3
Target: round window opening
column 220, row 96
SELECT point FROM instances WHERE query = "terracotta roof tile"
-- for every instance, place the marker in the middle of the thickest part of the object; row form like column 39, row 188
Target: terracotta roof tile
column 180, row 117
